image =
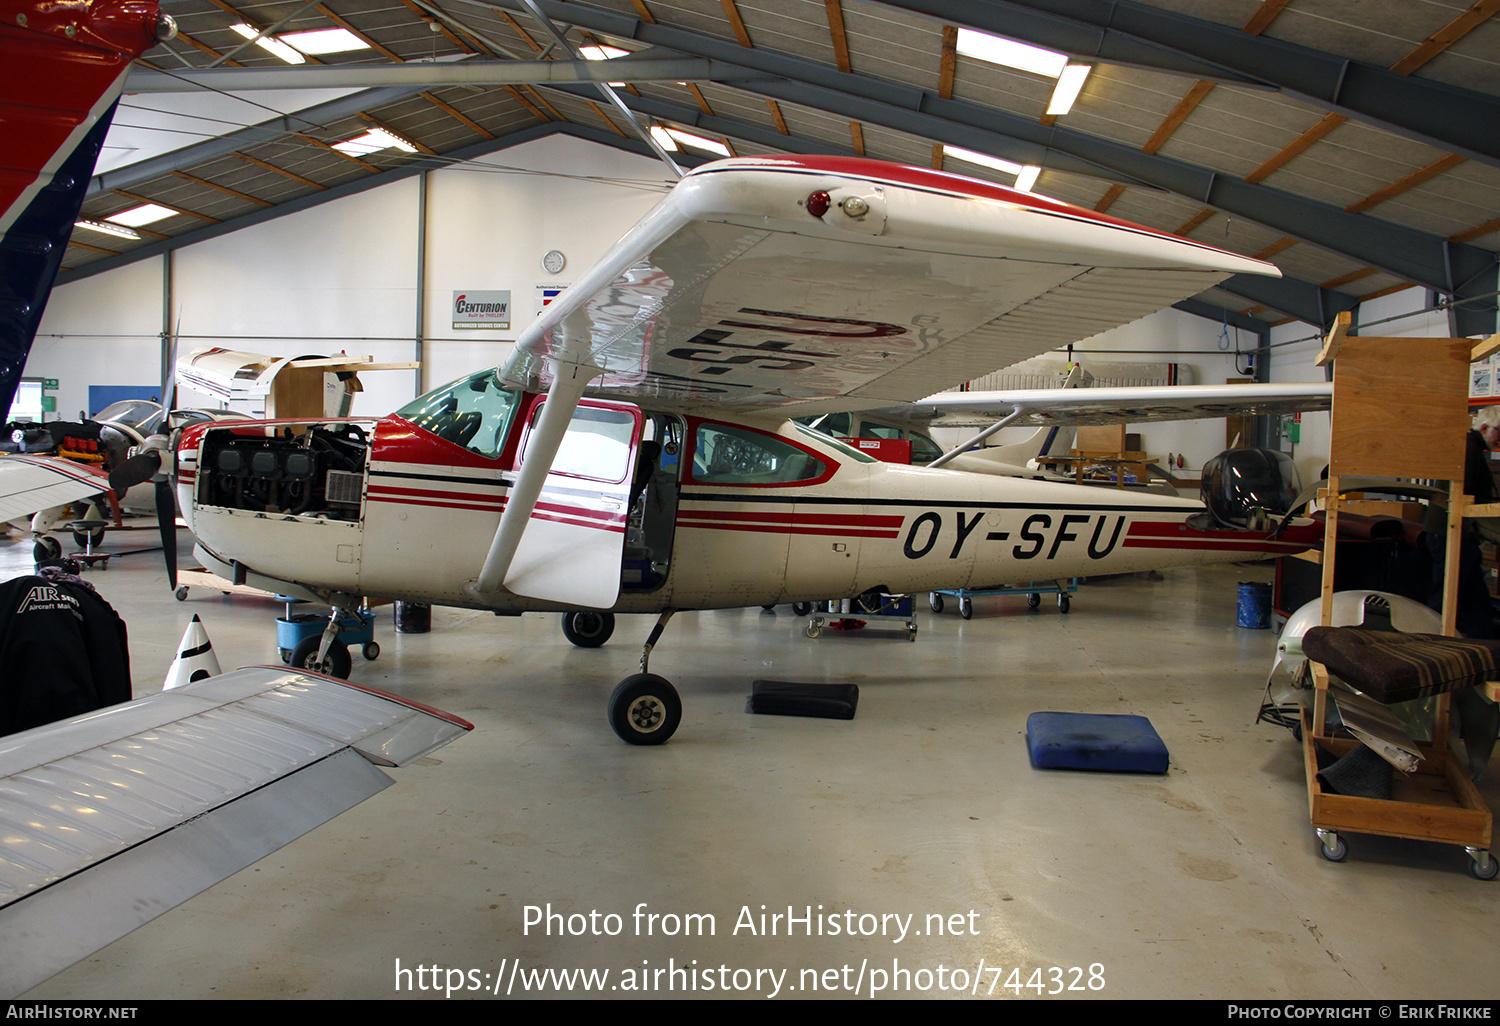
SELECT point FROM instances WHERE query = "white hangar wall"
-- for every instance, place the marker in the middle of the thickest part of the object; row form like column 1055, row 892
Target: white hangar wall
column 343, row 275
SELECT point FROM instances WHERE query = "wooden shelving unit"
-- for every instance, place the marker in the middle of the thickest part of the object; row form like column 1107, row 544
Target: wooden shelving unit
column 1400, row 411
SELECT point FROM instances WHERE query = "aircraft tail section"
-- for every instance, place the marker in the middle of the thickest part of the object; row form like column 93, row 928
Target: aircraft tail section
column 61, row 70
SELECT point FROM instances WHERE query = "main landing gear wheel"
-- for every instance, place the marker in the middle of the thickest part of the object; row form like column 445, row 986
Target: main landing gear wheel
column 337, row 663
column 645, row 709
column 588, row 628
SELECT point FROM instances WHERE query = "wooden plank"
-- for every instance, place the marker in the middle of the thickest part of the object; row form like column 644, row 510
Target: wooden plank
column 1422, row 384
column 1335, row 339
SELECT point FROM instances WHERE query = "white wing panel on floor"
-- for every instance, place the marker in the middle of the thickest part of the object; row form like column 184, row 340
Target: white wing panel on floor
column 110, row 819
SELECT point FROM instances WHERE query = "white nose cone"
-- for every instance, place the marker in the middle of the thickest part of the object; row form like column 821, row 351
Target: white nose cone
column 195, row 658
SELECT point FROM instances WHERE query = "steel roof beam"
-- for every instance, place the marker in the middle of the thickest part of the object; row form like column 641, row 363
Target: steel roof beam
column 425, row 75
column 1124, row 32
column 311, row 119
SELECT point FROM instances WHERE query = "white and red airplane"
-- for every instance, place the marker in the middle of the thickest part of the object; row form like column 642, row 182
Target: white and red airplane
column 636, row 454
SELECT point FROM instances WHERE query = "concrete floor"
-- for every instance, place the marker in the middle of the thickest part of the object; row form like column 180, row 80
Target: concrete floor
column 1202, row 883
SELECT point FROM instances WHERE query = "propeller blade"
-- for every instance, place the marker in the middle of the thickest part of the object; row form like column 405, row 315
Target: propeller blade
column 166, row 522
column 141, row 467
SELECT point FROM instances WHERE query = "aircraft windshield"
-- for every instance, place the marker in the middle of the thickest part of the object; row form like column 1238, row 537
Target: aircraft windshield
column 473, row 412
column 141, row 414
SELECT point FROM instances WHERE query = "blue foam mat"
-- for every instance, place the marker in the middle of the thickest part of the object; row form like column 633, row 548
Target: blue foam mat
column 1095, row 741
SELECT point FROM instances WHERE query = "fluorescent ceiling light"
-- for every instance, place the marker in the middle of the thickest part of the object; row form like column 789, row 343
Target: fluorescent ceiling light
column 1069, row 84
column 982, row 159
column 137, row 216
column 601, row 53
column 321, row 41
column 272, row 46
column 373, row 141
column 664, row 139
column 106, row 228
column 1009, row 53
column 698, row 142
column 1027, row 178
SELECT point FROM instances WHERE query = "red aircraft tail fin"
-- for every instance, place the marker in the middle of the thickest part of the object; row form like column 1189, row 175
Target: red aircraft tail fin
column 61, row 70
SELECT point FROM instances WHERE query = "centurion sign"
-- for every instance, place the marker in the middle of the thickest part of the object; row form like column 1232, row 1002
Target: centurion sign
column 481, row 309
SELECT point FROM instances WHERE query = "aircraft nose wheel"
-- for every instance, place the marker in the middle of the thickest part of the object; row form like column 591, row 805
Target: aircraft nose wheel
column 645, row 709
column 587, row 628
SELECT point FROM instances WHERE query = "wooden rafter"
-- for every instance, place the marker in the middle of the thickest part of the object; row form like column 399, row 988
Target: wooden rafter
column 775, row 109
column 836, row 33
column 1296, row 146
column 1446, row 36
column 949, row 63
column 603, row 116
column 692, row 87
column 1177, row 116
column 222, row 188
column 857, row 133
column 1108, row 199
column 1411, row 181
column 280, row 171
column 736, row 23
column 457, row 115
column 520, row 98
column 1194, row 221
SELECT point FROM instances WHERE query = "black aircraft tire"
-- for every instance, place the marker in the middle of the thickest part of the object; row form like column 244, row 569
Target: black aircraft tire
column 338, row 663
column 645, row 709
column 46, row 548
column 587, row 628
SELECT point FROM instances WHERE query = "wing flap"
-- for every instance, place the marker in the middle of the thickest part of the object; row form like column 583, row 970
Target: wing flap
column 185, row 771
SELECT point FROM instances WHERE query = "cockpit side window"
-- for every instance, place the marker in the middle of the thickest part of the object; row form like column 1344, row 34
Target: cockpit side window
column 474, row 412
column 725, row 454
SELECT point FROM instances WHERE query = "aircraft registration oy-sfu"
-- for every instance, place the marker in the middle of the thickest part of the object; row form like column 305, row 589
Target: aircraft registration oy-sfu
column 638, row 454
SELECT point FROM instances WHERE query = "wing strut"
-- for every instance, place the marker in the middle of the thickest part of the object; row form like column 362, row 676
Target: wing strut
column 1073, row 380
column 568, row 383
column 971, row 443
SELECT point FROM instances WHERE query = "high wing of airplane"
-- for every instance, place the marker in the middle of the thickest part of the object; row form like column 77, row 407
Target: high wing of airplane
column 1046, row 408
column 109, row 819
column 637, row 453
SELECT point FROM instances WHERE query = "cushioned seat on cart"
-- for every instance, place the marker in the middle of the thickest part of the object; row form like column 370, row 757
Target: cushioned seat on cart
column 1095, row 741
column 1394, row 667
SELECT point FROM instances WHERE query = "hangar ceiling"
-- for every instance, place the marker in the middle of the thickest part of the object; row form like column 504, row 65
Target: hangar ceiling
column 1352, row 142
